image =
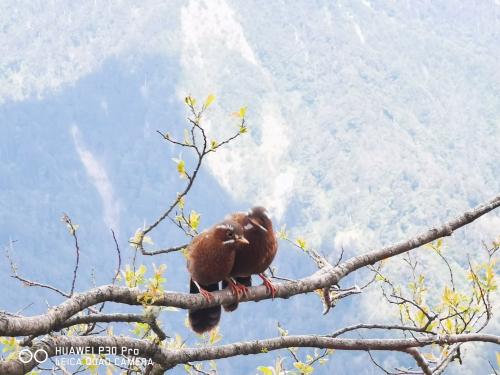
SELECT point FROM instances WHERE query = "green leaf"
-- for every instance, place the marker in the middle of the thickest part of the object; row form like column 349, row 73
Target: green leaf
column 282, row 331
column 182, row 202
column 449, row 325
column 304, row 368
column 243, row 129
column 210, row 99
column 214, row 336
column 301, row 243
column 190, row 101
column 139, row 238
column 439, row 243
column 194, row 220
column 10, row 344
column 140, row 329
column 322, row 361
column 282, row 233
column 89, row 361
column 181, row 167
column 265, row 370
column 142, row 270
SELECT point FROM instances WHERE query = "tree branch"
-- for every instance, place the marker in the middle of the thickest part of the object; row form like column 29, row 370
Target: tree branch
column 72, row 230
column 119, row 255
column 103, row 318
column 325, row 277
column 421, row 362
column 430, row 235
column 172, row 357
column 163, row 251
column 378, row 326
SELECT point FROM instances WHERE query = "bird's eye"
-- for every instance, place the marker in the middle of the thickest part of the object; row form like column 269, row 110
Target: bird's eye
column 229, row 233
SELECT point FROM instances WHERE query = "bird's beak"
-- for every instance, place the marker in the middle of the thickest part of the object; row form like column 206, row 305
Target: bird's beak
column 242, row 239
column 254, row 222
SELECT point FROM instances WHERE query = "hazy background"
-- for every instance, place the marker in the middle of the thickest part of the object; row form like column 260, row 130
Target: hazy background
column 369, row 121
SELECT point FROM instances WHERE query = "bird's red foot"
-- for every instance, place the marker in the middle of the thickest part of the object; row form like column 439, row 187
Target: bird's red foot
column 269, row 285
column 205, row 293
column 242, row 288
column 237, row 288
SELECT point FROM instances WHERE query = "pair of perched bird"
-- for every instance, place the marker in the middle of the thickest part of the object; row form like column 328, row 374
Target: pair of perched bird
column 244, row 244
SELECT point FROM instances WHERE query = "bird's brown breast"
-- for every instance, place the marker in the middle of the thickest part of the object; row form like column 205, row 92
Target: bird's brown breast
column 256, row 257
column 209, row 261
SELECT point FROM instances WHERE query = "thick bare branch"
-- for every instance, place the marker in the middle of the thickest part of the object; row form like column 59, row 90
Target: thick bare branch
column 172, row 357
column 16, row 326
column 105, row 318
column 430, row 235
column 421, row 362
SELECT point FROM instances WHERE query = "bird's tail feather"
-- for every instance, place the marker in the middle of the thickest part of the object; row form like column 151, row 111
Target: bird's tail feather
column 203, row 320
column 244, row 280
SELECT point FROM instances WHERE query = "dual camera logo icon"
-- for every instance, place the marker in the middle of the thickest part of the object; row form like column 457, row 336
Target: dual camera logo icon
column 39, row 355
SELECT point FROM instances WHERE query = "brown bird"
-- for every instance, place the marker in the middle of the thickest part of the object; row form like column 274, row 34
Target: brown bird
column 211, row 257
column 256, row 257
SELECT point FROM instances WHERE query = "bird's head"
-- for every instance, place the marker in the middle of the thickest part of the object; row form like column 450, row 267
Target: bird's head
column 259, row 217
column 230, row 233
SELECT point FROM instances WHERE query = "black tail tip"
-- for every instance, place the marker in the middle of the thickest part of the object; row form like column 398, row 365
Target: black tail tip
column 204, row 320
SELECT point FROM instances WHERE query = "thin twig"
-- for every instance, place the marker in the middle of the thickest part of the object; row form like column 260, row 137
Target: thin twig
column 164, row 251
column 72, row 230
column 118, row 253
column 27, row 282
column 378, row 326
